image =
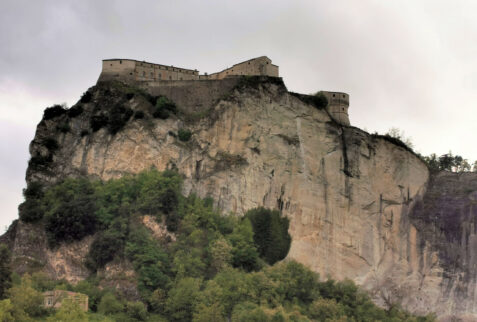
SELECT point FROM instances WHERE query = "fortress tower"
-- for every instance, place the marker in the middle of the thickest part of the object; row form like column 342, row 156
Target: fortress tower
column 338, row 104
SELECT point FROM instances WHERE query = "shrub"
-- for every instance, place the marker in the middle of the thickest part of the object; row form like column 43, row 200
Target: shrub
column 53, row 111
column 75, row 111
column 103, row 249
column 98, row 121
column 51, row 144
column 150, row 262
column 71, row 220
column 5, row 270
column 136, row 311
column 164, row 107
column 33, row 190
column 109, row 304
column 183, row 298
column 271, row 235
column 63, row 127
column 39, row 162
column 184, row 135
column 86, row 97
column 244, row 252
column 118, row 117
column 129, row 95
column 319, row 100
column 161, row 114
column 30, row 210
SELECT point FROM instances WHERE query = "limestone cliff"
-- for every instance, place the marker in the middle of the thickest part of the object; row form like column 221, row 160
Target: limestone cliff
column 357, row 203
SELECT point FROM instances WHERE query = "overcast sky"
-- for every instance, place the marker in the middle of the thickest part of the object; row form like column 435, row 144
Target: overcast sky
column 406, row 64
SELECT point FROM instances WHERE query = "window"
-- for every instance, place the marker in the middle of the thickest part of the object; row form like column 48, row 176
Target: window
column 110, row 64
column 144, row 74
column 120, row 61
column 170, row 77
column 343, row 96
column 152, row 74
column 334, row 95
column 159, row 75
column 181, row 78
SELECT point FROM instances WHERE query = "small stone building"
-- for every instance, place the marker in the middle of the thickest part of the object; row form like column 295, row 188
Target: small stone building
column 54, row 299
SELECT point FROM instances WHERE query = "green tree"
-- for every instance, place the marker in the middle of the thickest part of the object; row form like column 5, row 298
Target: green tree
column 249, row 312
column 5, row 270
column 270, row 233
column 326, row 309
column 27, row 302
column 109, row 304
column 69, row 311
column 244, row 252
column 209, row 313
column 182, row 299
column 221, row 254
column 136, row 311
column 295, row 281
column 6, row 311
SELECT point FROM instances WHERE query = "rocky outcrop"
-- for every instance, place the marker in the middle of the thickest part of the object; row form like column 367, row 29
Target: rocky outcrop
column 356, row 203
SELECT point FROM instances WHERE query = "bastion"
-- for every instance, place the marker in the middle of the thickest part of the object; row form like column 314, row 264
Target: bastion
column 194, row 91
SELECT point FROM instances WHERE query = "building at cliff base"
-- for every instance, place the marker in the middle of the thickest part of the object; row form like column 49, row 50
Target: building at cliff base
column 54, row 299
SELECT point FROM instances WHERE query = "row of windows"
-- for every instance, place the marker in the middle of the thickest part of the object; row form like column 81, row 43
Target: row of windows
column 163, row 67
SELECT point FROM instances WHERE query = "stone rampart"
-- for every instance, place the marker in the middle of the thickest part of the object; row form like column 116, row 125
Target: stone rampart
column 141, row 71
column 192, row 96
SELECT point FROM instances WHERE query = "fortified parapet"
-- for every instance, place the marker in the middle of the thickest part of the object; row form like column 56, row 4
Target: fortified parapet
column 338, row 104
column 142, row 71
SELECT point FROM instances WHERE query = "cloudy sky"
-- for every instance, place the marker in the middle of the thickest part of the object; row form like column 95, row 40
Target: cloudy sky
column 407, row 64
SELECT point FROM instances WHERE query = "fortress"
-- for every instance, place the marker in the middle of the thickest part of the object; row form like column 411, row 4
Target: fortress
column 194, row 91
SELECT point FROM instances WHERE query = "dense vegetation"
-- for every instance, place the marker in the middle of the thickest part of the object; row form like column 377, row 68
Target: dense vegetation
column 164, row 107
column 218, row 267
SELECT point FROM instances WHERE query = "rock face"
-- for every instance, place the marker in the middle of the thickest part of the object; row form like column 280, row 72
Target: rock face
column 357, row 203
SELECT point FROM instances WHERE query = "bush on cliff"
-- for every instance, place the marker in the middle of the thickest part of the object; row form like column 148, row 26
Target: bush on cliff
column 164, row 107
column 184, row 135
column 86, row 97
column 31, row 209
column 53, row 111
column 118, row 117
column 98, row 121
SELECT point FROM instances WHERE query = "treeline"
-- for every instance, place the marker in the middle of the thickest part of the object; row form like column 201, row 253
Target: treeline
column 445, row 162
column 449, row 162
column 218, row 268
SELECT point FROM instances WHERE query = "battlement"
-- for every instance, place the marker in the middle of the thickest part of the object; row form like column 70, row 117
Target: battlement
column 134, row 70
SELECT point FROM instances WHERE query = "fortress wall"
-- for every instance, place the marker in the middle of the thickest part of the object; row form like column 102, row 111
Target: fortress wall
column 128, row 69
column 192, row 96
column 155, row 72
column 117, row 69
column 253, row 67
